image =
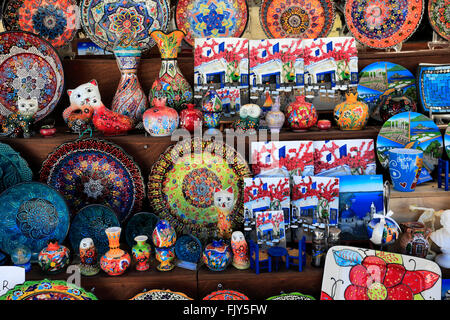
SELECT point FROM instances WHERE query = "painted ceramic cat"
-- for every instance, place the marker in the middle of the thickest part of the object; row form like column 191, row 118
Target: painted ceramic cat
column 21, row 120
column 224, row 202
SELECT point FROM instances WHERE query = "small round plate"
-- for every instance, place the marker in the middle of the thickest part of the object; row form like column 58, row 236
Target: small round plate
column 447, row 141
column 439, row 16
column 161, row 295
column 188, row 248
column 13, row 168
column 211, row 18
column 226, row 295
column 383, row 23
column 142, row 223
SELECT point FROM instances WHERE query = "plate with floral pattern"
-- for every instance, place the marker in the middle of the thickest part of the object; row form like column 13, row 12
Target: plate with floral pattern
column 29, row 68
column 13, row 168
column 226, row 295
column 10, row 9
column 106, row 21
column 439, row 16
column 383, row 23
column 297, row 18
column 158, row 294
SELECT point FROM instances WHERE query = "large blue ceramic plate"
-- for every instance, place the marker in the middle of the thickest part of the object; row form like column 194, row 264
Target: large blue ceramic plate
column 188, row 248
column 31, row 213
column 142, row 223
column 13, row 168
column 91, row 222
column 433, row 82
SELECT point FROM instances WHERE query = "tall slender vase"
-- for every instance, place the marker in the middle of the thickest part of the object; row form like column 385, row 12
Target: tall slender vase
column 130, row 99
column 170, row 82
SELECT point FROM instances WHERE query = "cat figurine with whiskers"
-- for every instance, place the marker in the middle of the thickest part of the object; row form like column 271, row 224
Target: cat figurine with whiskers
column 224, row 202
column 20, row 122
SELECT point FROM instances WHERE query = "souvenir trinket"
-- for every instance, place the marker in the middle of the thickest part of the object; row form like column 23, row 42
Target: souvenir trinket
column 212, row 108
column 116, row 261
column 383, row 229
column 351, row 114
column 160, row 120
column 275, row 118
column 188, row 249
column 318, row 248
column 240, row 251
column 224, row 202
column 217, row 255
column 191, row 118
column 414, row 239
column 432, row 85
column 404, row 168
column 88, row 258
column 21, row 256
column 248, row 119
column 47, row 131
column 164, row 238
column 79, row 119
column 165, row 257
column 441, row 238
column 324, row 124
column 20, row 122
column 301, row 115
column 141, row 253
column 54, row 258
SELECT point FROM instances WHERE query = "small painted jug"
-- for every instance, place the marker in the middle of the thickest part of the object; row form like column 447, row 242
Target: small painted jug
column 141, row 253
column 217, row 255
column 301, row 115
column 54, row 258
column 161, row 120
column 88, row 258
column 414, row 239
column 351, row 114
column 116, row 261
column 240, row 251
column 275, row 118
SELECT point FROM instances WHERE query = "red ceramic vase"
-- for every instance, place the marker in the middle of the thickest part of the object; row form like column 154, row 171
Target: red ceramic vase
column 301, row 115
column 189, row 116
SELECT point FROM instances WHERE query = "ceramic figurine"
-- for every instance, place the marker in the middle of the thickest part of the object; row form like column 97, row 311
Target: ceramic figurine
column 88, row 258
column 21, row 257
column 161, row 120
column 301, row 115
column 224, row 202
column 217, row 255
column 189, row 116
column 240, row 251
column 414, row 240
column 170, row 82
column 324, row 124
column 351, row 114
column 382, row 229
column 391, row 104
column 441, row 238
column 275, row 118
column 115, row 261
column 141, row 253
column 212, row 108
column 164, row 238
column 248, row 119
column 54, row 258
column 20, row 122
column 79, row 119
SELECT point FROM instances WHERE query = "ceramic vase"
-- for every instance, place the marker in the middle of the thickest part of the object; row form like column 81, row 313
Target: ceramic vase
column 53, row 258
column 351, row 114
column 414, row 239
column 189, row 116
column 170, row 83
column 164, row 235
column 161, row 120
column 88, row 258
column 392, row 104
column 301, row 115
column 275, row 118
column 130, row 99
column 141, row 253
column 115, row 261
column 404, row 168
column 240, row 251
column 165, row 256
column 217, row 255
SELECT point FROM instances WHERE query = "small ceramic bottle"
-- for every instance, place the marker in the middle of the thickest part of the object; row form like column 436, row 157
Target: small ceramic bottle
column 116, row 261
column 160, row 120
column 275, row 118
column 351, row 114
column 189, row 117
column 54, row 258
column 88, row 258
column 141, row 253
column 301, row 115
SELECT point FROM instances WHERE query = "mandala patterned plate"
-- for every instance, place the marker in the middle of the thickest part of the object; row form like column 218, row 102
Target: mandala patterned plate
column 91, row 222
column 183, row 181
column 31, row 213
column 47, row 290
column 211, row 18
column 188, row 248
column 161, row 295
column 10, row 10
column 439, row 16
column 292, row 296
column 13, row 168
column 29, row 68
column 94, row 171
column 142, row 223
column 297, row 18
column 383, row 23
column 105, row 21
column 226, row 295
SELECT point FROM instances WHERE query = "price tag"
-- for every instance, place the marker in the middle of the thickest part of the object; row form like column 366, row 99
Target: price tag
column 10, row 277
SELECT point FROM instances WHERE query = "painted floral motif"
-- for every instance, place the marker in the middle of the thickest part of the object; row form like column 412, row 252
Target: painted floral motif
column 37, row 218
column 10, row 14
column 127, row 20
column 439, row 16
column 49, row 22
column 161, row 295
column 226, row 295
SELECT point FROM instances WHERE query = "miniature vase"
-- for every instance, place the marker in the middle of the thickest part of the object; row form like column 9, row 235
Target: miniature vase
column 170, row 83
column 392, row 104
column 130, row 99
column 275, row 118
column 88, row 258
column 301, row 115
column 164, row 235
column 189, row 116
column 217, row 255
column 240, row 251
column 212, row 108
column 165, row 256
column 351, row 114
column 141, row 253
column 161, row 120
column 414, row 239
column 116, row 261
column 53, row 258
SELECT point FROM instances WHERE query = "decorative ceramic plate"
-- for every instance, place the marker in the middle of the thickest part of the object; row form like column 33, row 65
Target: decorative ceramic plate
column 13, row 168
column 188, row 248
column 292, row 296
column 226, row 295
column 142, row 223
column 433, row 83
column 31, row 213
column 297, row 18
column 47, row 290
column 54, row 20
column 447, row 141
column 411, row 130
column 439, row 16
column 95, row 171
column 362, row 274
column 106, row 21
column 382, row 78
column 161, row 295
column 183, row 181
column 211, row 18
column 29, row 68
column 383, row 23
column 91, row 222
column 10, row 10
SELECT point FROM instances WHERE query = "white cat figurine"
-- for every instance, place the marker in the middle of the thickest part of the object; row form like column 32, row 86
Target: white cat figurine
column 21, row 120
column 224, row 202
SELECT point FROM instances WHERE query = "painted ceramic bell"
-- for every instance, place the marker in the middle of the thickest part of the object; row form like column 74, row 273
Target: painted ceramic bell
column 161, row 120
column 414, row 239
column 88, row 258
column 351, row 114
column 217, row 255
column 240, row 251
column 115, row 261
column 189, row 116
column 393, row 103
column 301, row 115
column 275, row 118
column 249, row 116
column 165, row 256
column 164, row 235
column 54, row 258
column 21, row 257
column 382, row 229
column 141, row 253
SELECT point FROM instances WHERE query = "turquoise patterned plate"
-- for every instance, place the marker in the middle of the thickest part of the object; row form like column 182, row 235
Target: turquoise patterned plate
column 13, row 168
